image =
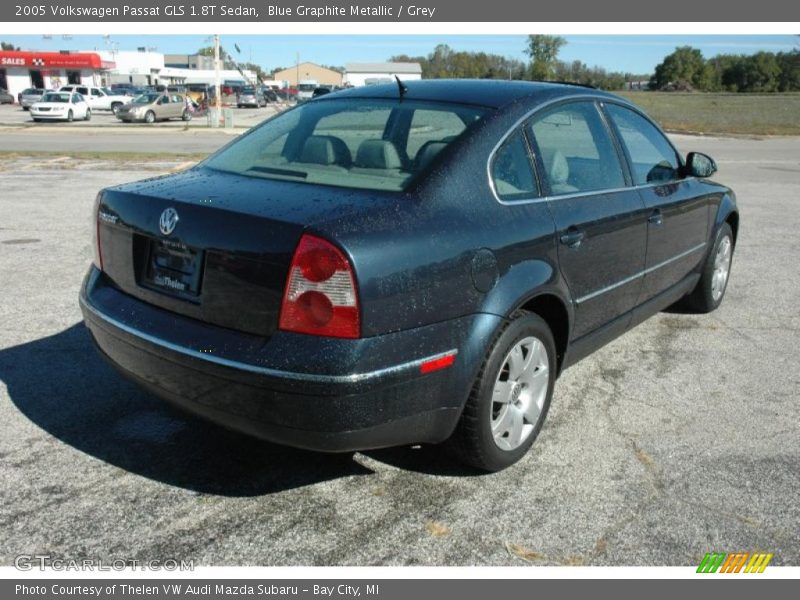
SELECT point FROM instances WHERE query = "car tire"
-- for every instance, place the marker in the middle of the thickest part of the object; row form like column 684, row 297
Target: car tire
column 88, row 116
column 115, row 107
column 510, row 398
column 150, row 117
column 70, row 117
column 710, row 290
column 37, row 120
column 24, row 108
column 186, row 116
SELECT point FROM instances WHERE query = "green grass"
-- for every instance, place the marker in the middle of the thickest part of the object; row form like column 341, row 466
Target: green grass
column 748, row 114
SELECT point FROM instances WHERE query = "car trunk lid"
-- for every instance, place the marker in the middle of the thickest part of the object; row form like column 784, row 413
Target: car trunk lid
column 211, row 245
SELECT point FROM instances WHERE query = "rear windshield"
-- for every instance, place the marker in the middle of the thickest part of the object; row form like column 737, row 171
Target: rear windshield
column 357, row 143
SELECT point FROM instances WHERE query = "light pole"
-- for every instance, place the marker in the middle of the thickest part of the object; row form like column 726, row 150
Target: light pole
column 217, row 90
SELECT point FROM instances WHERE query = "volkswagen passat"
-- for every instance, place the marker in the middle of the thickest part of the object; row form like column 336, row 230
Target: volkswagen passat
column 408, row 263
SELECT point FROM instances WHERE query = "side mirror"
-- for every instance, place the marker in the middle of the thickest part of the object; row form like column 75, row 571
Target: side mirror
column 700, row 165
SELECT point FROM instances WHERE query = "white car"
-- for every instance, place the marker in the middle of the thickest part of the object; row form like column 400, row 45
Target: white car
column 98, row 98
column 61, row 106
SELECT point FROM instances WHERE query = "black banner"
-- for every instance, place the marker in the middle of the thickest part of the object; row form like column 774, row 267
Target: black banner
column 393, row 10
column 391, row 589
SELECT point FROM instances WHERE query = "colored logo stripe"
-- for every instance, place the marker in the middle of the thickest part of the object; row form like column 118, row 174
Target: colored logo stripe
column 759, row 561
column 734, row 562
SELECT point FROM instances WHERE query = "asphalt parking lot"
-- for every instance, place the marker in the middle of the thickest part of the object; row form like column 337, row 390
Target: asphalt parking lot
column 677, row 439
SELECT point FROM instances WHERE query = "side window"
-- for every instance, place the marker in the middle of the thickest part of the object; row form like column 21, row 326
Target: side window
column 511, row 170
column 83, row 91
column 76, row 98
column 97, row 92
column 652, row 156
column 576, row 150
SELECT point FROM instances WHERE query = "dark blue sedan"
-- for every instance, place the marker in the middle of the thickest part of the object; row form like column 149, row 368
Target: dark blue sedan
column 410, row 263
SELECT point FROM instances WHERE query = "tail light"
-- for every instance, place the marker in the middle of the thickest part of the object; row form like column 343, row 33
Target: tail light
column 320, row 296
column 98, row 254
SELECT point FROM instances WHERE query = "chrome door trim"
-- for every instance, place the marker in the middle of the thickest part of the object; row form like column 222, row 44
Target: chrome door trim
column 640, row 274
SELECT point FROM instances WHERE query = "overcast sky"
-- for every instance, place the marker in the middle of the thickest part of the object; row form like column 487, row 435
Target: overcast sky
column 628, row 53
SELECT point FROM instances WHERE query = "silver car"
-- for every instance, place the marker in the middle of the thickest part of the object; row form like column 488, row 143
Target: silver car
column 251, row 97
column 155, row 106
column 30, row 97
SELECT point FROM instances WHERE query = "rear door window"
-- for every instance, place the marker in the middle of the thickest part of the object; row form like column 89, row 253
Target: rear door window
column 575, row 149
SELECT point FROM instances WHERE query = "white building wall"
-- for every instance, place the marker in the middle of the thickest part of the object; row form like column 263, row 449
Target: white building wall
column 19, row 79
column 359, row 79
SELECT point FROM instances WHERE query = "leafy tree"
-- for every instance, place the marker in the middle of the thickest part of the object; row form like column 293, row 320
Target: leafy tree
column 789, row 77
column 444, row 62
column 683, row 69
column 543, row 51
column 8, row 46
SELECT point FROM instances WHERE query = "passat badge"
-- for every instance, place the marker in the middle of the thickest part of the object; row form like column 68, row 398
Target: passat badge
column 168, row 221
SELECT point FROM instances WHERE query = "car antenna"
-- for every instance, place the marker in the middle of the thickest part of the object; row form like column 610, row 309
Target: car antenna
column 401, row 86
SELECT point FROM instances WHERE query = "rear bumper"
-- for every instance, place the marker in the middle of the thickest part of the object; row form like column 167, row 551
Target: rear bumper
column 293, row 389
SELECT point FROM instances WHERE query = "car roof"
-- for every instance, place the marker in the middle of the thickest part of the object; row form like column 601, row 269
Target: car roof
column 492, row 93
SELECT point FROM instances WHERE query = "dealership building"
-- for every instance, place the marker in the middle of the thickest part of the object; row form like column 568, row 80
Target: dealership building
column 358, row 74
column 50, row 70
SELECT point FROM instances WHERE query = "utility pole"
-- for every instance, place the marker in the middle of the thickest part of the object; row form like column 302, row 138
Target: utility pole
column 297, row 71
column 217, row 90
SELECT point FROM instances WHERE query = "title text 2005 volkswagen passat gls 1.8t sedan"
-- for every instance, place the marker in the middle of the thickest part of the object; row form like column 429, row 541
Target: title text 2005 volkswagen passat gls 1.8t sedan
column 408, row 263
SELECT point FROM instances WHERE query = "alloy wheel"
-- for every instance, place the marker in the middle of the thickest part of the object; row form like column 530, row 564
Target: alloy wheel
column 722, row 267
column 519, row 393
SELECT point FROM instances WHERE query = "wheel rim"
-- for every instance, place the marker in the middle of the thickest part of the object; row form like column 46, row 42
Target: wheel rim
column 722, row 266
column 519, row 393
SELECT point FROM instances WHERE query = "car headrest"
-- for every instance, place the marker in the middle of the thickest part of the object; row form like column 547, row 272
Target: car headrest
column 556, row 166
column 325, row 150
column 378, row 154
column 427, row 153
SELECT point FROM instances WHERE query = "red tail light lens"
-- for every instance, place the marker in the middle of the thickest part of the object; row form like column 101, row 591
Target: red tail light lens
column 98, row 255
column 320, row 296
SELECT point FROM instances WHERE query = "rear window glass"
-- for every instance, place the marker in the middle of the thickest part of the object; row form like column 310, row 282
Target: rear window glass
column 361, row 143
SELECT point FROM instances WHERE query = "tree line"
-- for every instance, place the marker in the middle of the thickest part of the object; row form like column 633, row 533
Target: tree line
column 684, row 69
column 687, row 69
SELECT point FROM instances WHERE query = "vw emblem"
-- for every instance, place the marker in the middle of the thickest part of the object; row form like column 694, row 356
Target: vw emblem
column 168, row 221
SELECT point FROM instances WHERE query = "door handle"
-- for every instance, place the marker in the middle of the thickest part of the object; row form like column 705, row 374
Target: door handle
column 572, row 238
column 656, row 218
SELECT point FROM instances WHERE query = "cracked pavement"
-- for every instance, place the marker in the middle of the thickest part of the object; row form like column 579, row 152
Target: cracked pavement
column 677, row 439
